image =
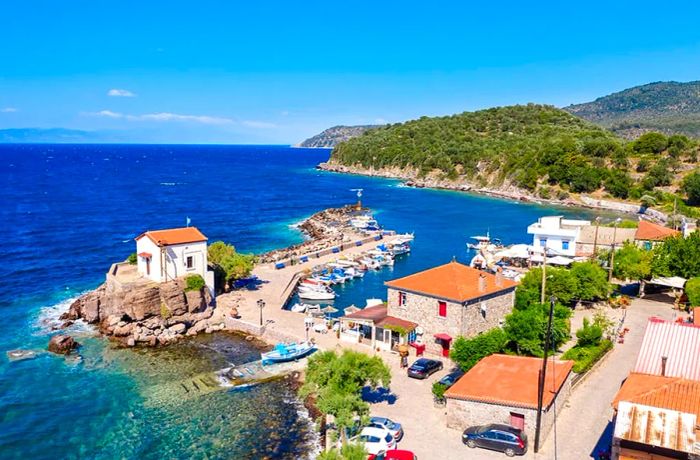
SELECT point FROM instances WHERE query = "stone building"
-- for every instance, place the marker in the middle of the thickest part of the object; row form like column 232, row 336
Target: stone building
column 504, row 389
column 449, row 301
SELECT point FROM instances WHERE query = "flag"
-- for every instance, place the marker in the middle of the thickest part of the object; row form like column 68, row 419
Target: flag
column 189, row 221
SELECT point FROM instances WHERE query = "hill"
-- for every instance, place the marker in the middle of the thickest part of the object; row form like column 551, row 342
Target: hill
column 537, row 150
column 332, row 136
column 668, row 107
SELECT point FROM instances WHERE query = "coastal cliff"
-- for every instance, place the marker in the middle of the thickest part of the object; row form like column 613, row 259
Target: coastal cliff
column 331, row 137
column 145, row 313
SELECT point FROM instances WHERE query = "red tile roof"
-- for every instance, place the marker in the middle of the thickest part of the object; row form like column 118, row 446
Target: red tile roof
column 649, row 231
column 174, row 236
column 673, row 393
column 510, row 380
column 679, row 343
column 378, row 315
column 452, row 281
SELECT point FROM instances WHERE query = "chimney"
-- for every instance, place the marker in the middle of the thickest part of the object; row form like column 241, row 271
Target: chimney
column 499, row 277
column 482, row 283
column 663, row 365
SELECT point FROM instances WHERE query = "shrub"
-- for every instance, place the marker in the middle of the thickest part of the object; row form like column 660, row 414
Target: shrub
column 692, row 289
column 467, row 352
column 691, row 187
column 439, row 391
column 589, row 334
column 132, row 258
column 650, row 143
column 591, row 280
column 526, row 328
column 585, row 357
column 194, row 283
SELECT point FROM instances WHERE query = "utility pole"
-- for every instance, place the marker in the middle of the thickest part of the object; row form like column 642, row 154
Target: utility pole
column 544, row 274
column 595, row 238
column 542, row 375
column 612, row 250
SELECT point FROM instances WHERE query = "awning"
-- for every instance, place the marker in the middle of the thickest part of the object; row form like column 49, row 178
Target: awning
column 146, row 255
column 672, row 281
column 443, row 336
column 559, row 260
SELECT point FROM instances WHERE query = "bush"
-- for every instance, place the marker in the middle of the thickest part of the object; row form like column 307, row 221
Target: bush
column 132, row 258
column 618, row 183
column 526, row 328
column 585, row 357
column 589, row 335
column 691, row 187
column 194, row 283
column 591, row 280
column 650, row 143
column 467, row 352
column 692, row 289
column 439, row 391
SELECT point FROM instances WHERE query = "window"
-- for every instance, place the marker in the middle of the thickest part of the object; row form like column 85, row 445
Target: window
column 442, row 308
column 189, row 262
column 565, row 245
column 543, row 242
column 402, row 299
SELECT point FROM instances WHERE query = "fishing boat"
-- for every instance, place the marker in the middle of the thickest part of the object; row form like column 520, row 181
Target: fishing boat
column 315, row 295
column 399, row 249
column 364, row 223
column 481, row 242
column 284, row 352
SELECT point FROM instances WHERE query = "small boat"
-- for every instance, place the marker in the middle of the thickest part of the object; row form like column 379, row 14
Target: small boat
column 481, row 242
column 284, row 352
column 398, row 249
column 316, row 295
column 299, row 308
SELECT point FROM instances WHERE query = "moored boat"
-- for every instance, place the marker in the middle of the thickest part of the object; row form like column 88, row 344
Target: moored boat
column 284, row 352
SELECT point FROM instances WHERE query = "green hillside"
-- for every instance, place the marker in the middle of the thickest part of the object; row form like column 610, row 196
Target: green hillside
column 535, row 147
column 669, row 107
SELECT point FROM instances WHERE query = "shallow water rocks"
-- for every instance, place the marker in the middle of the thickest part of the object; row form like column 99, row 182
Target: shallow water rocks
column 62, row 344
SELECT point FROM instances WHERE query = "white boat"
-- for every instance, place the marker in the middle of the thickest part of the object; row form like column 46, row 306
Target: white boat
column 398, row 249
column 299, row 308
column 364, row 223
column 481, row 242
column 319, row 288
column 316, row 295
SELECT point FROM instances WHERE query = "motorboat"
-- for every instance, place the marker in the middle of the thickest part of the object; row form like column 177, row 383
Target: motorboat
column 480, row 242
column 299, row 308
column 284, row 352
column 398, row 249
column 315, row 295
column 318, row 288
column 364, row 223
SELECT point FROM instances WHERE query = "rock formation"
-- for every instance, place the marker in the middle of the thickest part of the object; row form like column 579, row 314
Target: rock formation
column 62, row 344
column 145, row 313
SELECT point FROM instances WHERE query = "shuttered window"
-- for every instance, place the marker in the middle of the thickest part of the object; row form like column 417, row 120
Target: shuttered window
column 442, row 309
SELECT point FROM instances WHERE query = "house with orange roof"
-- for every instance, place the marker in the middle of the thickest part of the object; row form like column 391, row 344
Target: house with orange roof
column 448, row 301
column 164, row 255
column 649, row 234
column 504, row 389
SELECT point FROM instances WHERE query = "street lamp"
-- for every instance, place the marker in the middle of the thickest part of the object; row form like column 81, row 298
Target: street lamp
column 261, row 305
column 612, row 251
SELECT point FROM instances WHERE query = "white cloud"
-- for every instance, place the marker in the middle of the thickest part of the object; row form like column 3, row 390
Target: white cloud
column 380, row 121
column 258, row 124
column 120, row 93
column 166, row 116
column 109, row 114
column 8, row 110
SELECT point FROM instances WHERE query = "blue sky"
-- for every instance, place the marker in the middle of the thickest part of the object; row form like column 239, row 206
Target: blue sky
column 278, row 72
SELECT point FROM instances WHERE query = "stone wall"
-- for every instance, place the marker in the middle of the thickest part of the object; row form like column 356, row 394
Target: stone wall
column 463, row 414
column 468, row 320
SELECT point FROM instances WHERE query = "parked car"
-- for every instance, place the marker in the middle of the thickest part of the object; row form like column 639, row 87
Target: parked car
column 424, row 367
column 375, row 440
column 451, row 378
column 504, row 438
column 394, row 455
column 383, row 422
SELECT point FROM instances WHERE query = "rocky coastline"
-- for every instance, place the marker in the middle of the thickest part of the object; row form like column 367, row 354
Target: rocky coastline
column 411, row 178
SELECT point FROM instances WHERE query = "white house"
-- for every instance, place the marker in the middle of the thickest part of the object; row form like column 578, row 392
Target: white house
column 163, row 255
column 557, row 234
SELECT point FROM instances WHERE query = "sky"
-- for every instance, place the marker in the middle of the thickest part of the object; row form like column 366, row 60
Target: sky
column 277, row 72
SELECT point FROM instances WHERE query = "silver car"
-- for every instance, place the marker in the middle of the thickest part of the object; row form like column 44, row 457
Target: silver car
column 382, row 422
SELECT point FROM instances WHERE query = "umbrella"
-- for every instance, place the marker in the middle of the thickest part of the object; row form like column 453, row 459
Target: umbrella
column 329, row 310
column 351, row 309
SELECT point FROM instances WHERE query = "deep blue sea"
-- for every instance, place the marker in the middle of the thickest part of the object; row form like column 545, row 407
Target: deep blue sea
column 69, row 211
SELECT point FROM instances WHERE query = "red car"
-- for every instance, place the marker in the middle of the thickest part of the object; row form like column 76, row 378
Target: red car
column 394, row 455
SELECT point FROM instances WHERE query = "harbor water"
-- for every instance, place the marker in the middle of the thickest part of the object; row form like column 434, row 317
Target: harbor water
column 69, row 211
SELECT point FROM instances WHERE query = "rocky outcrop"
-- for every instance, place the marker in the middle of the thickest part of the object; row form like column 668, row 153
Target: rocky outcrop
column 144, row 313
column 62, row 344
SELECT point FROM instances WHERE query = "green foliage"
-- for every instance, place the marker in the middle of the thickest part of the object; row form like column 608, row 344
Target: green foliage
column 349, row 451
column 618, row 183
column 632, row 262
column 585, row 357
column 439, row 390
column 692, row 289
column 591, row 281
column 526, row 328
column 337, row 381
column 589, row 335
column 677, row 256
column 650, row 143
column 234, row 264
column 658, row 175
column 691, row 187
column 194, row 283
column 132, row 259
column 165, row 312
column 467, row 352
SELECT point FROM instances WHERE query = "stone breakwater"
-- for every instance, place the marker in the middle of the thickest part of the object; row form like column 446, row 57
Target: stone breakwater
column 324, row 230
column 411, row 178
column 146, row 313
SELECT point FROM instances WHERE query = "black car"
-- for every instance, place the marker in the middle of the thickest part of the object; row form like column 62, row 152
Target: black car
column 424, row 367
column 504, row 438
column 451, row 378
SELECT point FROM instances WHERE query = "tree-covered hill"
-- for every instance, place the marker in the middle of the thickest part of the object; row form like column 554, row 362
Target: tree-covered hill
column 538, row 148
column 330, row 137
column 669, row 107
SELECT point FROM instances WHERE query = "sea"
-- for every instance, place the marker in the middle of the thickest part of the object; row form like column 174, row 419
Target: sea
column 69, row 211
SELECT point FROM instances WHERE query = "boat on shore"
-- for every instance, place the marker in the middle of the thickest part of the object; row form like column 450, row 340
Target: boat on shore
column 284, row 352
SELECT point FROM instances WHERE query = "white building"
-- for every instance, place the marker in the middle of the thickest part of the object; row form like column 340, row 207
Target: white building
column 164, row 255
column 556, row 234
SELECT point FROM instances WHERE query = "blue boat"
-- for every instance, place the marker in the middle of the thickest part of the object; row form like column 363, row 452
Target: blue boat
column 284, row 352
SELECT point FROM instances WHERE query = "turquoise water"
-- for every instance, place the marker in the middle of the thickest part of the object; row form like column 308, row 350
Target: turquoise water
column 70, row 211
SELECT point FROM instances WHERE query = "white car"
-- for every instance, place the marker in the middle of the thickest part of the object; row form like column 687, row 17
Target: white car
column 375, row 440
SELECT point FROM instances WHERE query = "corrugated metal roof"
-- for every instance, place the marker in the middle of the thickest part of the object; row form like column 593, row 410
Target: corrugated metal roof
column 679, row 343
column 656, row 427
column 674, row 393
